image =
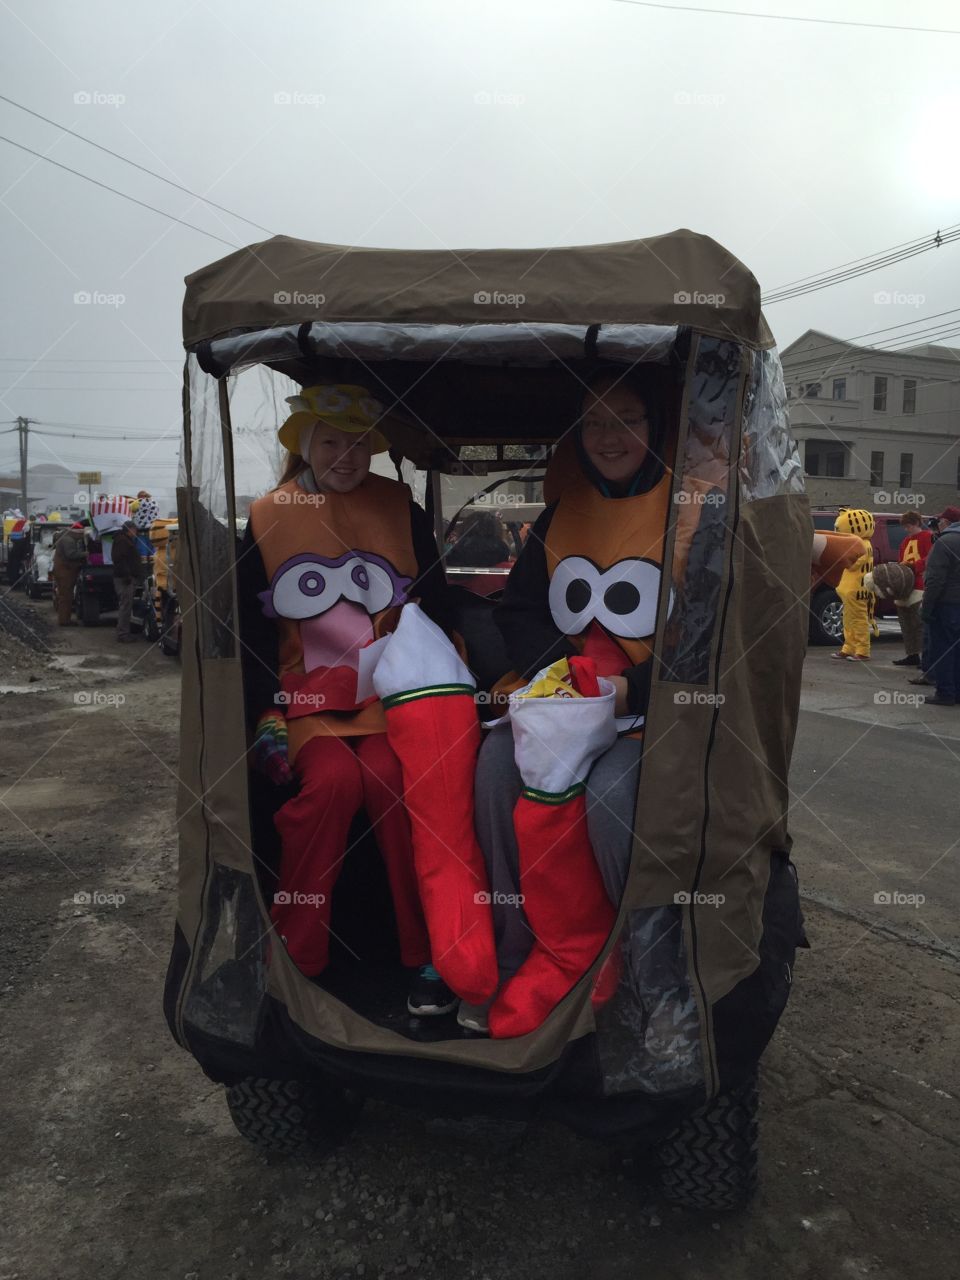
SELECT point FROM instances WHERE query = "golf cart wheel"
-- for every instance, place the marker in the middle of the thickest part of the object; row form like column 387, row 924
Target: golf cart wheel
column 170, row 628
column 151, row 628
column 287, row 1116
column 711, row 1160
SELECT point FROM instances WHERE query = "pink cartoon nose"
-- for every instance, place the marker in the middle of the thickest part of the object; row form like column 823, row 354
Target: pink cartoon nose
column 333, row 639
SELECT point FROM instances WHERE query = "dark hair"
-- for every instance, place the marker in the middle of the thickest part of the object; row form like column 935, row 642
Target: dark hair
column 911, row 517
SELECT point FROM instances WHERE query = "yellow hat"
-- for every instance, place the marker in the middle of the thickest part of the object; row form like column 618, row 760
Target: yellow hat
column 347, row 408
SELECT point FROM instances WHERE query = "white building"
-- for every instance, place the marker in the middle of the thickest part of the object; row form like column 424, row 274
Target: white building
column 875, row 428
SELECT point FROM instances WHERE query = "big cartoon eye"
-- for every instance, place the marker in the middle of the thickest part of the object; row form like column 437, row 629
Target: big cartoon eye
column 622, row 599
column 306, row 589
column 572, row 594
column 627, row 606
column 368, row 584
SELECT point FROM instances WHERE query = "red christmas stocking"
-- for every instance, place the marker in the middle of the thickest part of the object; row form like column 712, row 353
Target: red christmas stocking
column 556, row 741
column 432, row 726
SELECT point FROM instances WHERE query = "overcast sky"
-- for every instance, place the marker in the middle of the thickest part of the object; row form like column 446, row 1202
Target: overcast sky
column 432, row 123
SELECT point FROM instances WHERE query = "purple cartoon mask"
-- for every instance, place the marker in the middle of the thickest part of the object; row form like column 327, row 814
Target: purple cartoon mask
column 308, row 585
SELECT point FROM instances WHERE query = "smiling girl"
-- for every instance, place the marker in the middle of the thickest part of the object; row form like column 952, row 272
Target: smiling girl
column 587, row 582
column 328, row 560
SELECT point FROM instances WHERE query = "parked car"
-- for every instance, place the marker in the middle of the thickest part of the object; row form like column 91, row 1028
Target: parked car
column 826, row 610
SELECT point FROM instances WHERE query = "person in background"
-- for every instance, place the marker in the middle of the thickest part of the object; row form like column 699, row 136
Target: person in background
column 68, row 559
column 127, row 576
column 940, row 610
column 914, row 550
column 481, row 544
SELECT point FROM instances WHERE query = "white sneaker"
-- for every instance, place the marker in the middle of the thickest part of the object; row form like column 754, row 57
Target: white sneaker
column 473, row 1017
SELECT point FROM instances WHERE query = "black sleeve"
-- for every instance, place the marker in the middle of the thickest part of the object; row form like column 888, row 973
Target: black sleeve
column 431, row 581
column 638, row 687
column 259, row 638
column 532, row 638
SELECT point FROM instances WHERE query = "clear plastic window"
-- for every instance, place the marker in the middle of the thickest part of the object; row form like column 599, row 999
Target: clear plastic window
column 704, row 497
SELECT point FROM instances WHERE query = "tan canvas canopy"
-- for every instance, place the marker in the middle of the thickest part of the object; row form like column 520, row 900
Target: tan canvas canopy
column 713, row 800
column 680, row 278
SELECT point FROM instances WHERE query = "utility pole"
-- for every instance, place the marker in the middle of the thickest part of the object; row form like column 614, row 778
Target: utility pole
column 23, row 427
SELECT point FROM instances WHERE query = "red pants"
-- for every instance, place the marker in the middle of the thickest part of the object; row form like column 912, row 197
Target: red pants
column 337, row 776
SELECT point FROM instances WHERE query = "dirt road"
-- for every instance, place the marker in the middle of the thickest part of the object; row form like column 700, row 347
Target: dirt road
column 120, row 1160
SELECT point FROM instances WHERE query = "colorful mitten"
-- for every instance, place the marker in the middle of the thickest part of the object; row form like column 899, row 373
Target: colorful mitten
column 270, row 748
column 556, row 741
column 432, row 726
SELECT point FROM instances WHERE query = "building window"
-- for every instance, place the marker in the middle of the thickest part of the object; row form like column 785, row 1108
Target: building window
column 906, row 470
column 909, row 395
column 812, row 390
column 839, row 388
column 880, row 395
column 876, row 469
column 826, row 458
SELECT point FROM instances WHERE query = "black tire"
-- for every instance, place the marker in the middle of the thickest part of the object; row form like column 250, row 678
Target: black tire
column 287, row 1116
column 151, row 628
column 88, row 610
column 826, row 617
column 711, row 1160
column 170, row 628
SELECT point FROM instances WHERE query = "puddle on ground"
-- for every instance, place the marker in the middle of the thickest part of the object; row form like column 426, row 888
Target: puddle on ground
column 88, row 664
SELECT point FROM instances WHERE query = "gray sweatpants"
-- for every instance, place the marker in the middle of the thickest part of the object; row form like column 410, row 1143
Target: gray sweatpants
column 611, row 803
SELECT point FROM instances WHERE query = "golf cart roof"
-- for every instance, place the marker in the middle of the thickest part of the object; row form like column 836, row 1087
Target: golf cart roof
column 681, row 278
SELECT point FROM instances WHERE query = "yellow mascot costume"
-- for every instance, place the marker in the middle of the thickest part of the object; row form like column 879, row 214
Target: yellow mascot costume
column 856, row 596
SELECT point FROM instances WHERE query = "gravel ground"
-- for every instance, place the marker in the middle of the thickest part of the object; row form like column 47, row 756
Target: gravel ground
column 119, row 1158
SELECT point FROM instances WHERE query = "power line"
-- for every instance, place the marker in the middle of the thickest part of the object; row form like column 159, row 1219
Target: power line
column 884, row 259
column 126, row 160
column 906, row 244
column 106, row 187
column 787, row 17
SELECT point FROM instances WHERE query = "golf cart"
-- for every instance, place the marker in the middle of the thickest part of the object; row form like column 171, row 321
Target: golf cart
column 39, row 574
column 708, row 924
